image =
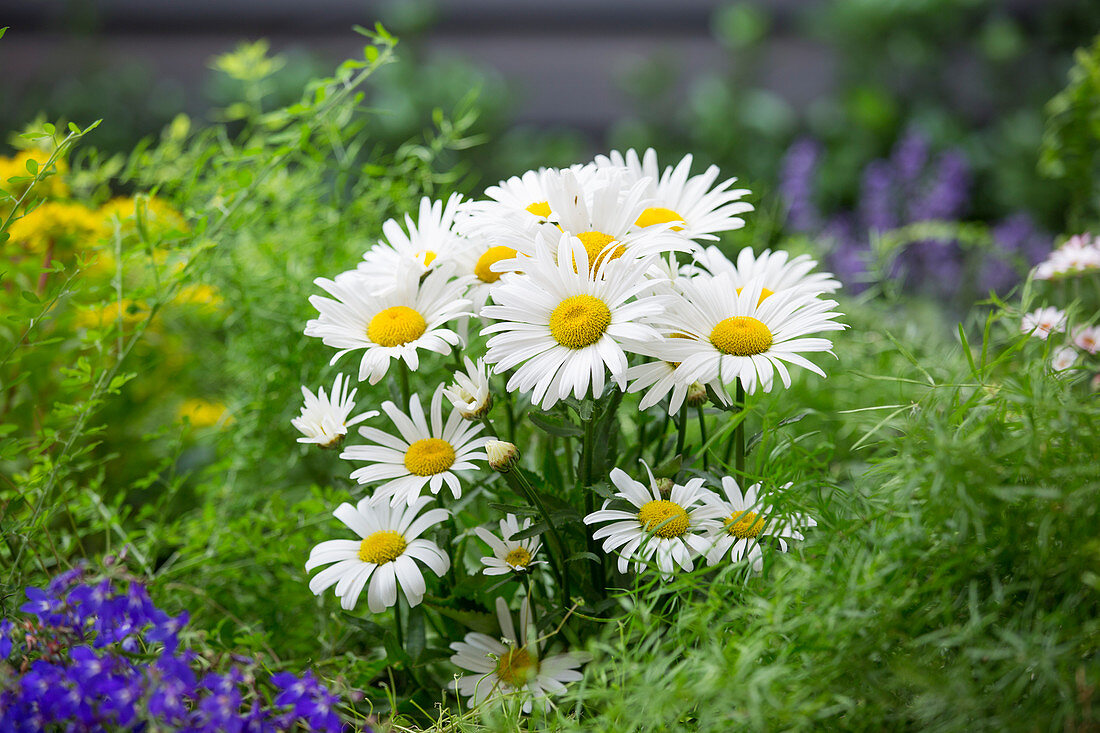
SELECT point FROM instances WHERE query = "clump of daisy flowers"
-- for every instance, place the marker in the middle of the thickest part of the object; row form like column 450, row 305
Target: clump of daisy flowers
column 523, row 360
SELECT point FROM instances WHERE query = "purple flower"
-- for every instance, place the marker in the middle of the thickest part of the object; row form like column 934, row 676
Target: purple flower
column 6, row 627
column 796, row 179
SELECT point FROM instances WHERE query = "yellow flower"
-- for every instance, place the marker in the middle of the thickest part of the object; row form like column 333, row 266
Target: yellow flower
column 203, row 413
column 204, row 296
column 56, row 224
column 52, row 187
column 104, row 316
column 159, row 216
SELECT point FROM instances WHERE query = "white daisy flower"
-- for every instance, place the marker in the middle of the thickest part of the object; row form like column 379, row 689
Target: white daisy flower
column 773, row 269
column 429, row 242
column 386, row 554
column 470, row 393
column 745, row 521
column 1078, row 254
column 391, row 325
column 564, row 328
column 517, row 204
column 1043, row 322
column 422, row 455
column 509, row 556
column 693, row 204
column 673, row 529
column 1087, row 338
column 1063, row 358
column 324, row 420
column 515, row 667
column 718, row 333
column 479, row 261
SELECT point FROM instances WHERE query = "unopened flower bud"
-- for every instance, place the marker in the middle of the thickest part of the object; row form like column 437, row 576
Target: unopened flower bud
column 664, row 485
column 696, row 395
column 502, row 455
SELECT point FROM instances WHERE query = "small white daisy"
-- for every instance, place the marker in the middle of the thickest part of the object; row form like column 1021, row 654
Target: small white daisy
column 429, row 242
column 1043, row 322
column 718, row 333
column 773, row 269
column 422, row 455
column 563, row 328
column 673, row 529
column 745, row 521
column 324, row 420
column 515, row 667
column 693, row 204
column 509, row 556
column 1078, row 254
column 386, row 554
column 661, row 377
column 470, row 393
column 391, row 325
column 1063, row 358
column 1087, row 338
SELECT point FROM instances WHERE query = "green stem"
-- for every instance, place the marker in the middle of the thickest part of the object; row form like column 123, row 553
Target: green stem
column 403, row 381
column 518, row 483
column 739, row 431
column 397, row 622
column 682, row 435
column 703, row 436
column 587, row 450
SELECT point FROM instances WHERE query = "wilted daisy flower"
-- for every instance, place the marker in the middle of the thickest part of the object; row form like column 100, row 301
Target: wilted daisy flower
column 422, row 455
column 745, row 522
column 671, row 529
column 429, row 242
column 509, row 556
column 1063, row 358
column 563, row 328
column 470, row 393
column 718, row 333
column 772, row 269
column 512, row 668
column 391, row 325
column 1042, row 322
column 386, row 554
column 324, row 419
column 694, row 205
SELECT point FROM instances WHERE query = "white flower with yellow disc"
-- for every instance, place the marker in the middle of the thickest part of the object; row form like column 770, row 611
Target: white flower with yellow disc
column 668, row 531
column 515, row 205
column 424, row 454
column 693, row 205
column 394, row 324
column 509, row 555
column 514, row 668
column 720, row 333
column 563, row 328
column 469, row 394
column 421, row 245
column 744, row 522
column 386, row 555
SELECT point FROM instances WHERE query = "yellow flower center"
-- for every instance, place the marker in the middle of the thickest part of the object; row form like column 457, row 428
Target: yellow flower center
column 741, row 336
column 745, row 525
column 429, row 456
column 426, row 257
column 487, row 260
column 594, row 244
column 515, row 667
column 541, row 209
column 664, row 518
column 382, row 547
column 518, row 558
column 764, row 293
column 658, row 215
column 579, row 321
column 396, row 325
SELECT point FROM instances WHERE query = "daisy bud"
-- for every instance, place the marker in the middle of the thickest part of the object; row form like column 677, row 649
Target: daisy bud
column 696, row 395
column 502, row 455
column 664, row 485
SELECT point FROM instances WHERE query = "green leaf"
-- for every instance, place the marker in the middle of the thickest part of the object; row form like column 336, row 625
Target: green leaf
column 584, row 555
column 517, row 509
column 535, row 529
column 755, row 439
column 669, row 468
column 394, row 652
column 486, row 623
column 415, row 639
column 554, row 425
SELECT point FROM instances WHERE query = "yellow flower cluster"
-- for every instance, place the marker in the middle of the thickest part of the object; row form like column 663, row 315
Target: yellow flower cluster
column 130, row 312
column 158, row 216
column 53, row 186
column 56, row 223
column 203, row 413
